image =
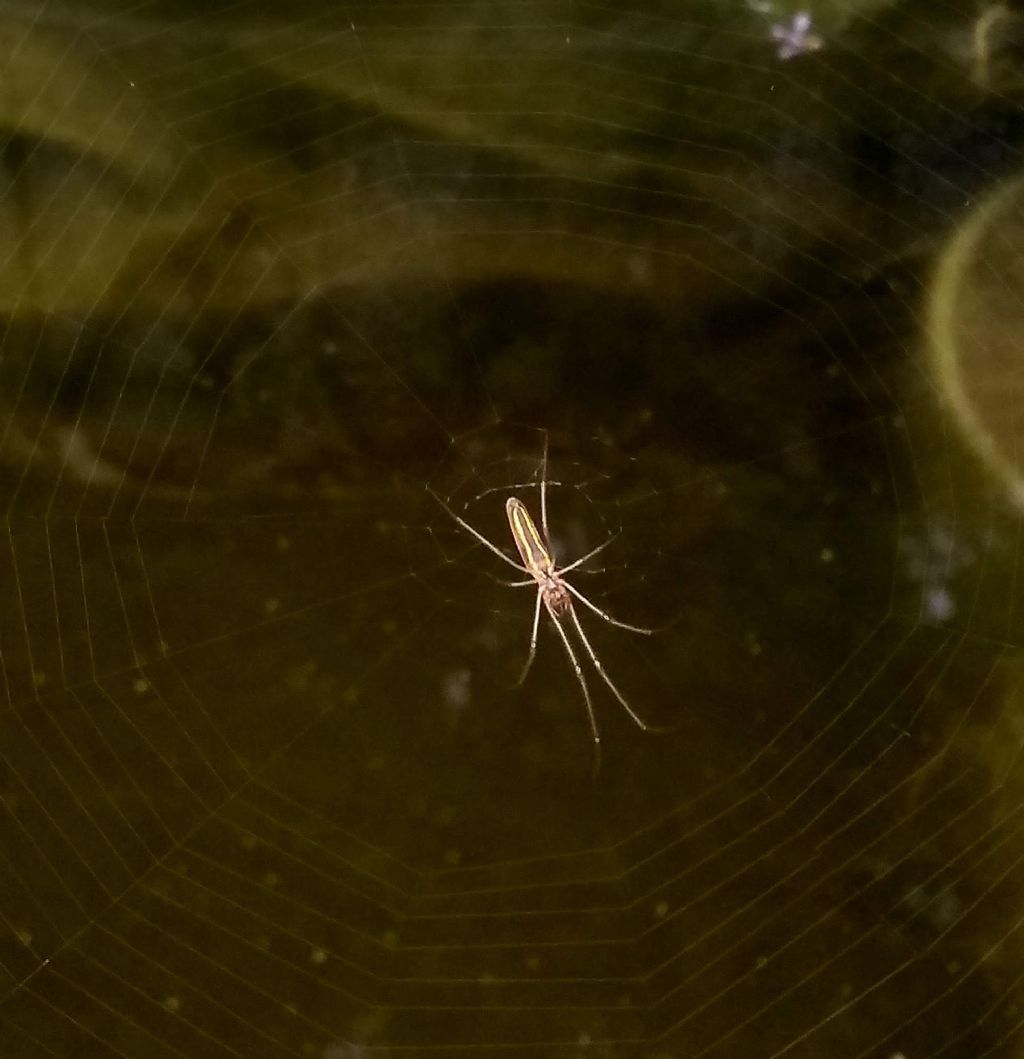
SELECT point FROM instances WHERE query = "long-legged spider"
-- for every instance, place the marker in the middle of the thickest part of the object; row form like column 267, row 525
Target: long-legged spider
column 555, row 593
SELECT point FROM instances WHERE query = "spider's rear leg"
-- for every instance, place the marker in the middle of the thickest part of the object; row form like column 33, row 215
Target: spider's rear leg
column 533, row 638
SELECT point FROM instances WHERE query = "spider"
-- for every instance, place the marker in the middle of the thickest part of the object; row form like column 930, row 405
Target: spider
column 555, row 594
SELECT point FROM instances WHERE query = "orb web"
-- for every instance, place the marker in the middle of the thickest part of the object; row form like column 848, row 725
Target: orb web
column 288, row 290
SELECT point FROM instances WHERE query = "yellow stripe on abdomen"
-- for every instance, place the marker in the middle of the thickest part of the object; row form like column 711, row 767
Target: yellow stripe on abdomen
column 533, row 550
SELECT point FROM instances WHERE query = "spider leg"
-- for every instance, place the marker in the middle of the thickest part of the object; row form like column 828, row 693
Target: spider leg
column 596, row 735
column 533, row 637
column 515, row 584
column 637, row 719
column 589, row 555
column 513, row 487
column 544, row 491
column 601, row 614
column 479, row 536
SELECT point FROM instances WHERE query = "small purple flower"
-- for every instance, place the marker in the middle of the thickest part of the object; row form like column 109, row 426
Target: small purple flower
column 794, row 37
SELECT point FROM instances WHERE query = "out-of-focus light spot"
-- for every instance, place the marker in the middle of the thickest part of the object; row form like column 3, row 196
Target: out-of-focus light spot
column 933, row 558
column 456, row 693
column 938, row 604
column 794, row 37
